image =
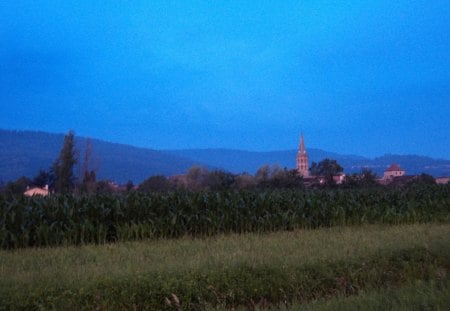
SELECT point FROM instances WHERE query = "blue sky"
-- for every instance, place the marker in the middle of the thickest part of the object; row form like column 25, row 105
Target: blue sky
column 360, row 77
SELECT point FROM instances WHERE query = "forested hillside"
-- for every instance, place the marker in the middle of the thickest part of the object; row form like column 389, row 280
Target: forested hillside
column 24, row 153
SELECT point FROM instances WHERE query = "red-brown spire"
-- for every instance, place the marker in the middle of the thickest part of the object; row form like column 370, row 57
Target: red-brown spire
column 302, row 159
column 302, row 145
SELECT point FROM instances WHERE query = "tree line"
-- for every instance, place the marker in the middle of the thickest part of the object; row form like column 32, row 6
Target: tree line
column 61, row 177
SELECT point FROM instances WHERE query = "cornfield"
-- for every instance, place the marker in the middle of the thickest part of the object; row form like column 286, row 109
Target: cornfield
column 76, row 219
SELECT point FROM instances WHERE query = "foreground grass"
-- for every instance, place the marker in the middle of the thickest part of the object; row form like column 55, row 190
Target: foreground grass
column 418, row 296
column 225, row 271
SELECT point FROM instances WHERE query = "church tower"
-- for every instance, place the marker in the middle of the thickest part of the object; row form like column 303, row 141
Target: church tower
column 302, row 159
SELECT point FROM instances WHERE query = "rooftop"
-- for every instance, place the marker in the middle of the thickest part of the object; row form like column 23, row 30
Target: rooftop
column 394, row 167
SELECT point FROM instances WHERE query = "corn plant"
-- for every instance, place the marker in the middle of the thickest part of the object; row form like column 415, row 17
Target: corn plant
column 75, row 220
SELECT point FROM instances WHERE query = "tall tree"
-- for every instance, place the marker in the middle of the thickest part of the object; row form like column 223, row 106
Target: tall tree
column 326, row 168
column 157, row 183
column 87, row 157
column 87, row 176
column 42, row 179
column 63, row 166
column 368, row 178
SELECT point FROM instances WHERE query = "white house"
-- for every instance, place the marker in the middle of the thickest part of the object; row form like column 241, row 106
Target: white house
column 37, row 191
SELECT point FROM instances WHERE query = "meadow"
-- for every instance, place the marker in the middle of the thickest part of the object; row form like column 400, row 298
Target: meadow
column 300, row 268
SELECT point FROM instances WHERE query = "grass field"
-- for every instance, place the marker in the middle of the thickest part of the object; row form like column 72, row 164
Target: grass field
column 284, row 269
column 417, row 296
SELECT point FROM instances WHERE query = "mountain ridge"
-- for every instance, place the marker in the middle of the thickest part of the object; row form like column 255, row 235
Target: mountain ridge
column 24, row 153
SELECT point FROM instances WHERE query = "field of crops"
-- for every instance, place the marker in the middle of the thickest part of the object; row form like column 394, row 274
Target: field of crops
column 76, row 220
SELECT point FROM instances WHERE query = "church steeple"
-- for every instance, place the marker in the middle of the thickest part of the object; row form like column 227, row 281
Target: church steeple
column 302, row 145
column 302, row 159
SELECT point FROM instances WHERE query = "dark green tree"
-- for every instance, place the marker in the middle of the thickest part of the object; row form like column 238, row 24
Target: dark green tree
column 276, row 177
column 368, row 178
column 196, row 177
column 42, row 179
column 89, row 179
column 157, row 183
column 352, row 181
column 326, row 168
column 19, row 186
column 219, row 180
column 291, row 179
column 129, row 185
column 104, row 187
column 63, row 166
column 423, row 179
column 244, row 181
column 262, row 175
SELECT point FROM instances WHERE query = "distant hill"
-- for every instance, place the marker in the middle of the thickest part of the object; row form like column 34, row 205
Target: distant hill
column 24, row 153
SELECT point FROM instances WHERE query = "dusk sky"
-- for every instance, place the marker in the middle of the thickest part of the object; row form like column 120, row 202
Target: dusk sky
column 356, row 77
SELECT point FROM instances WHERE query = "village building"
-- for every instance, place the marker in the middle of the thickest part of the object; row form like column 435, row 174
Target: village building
column 394, row 175
column 339, row 178
column 393, row 171
column 37, row 191
column 442, row 180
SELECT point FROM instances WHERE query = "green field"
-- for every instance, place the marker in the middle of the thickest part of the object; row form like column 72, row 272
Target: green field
column 314, row 269
column 96, row 219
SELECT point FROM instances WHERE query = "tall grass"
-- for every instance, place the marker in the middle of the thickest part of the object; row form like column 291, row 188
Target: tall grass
column 419, row 295
column 77, row 220
column 250, row 270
